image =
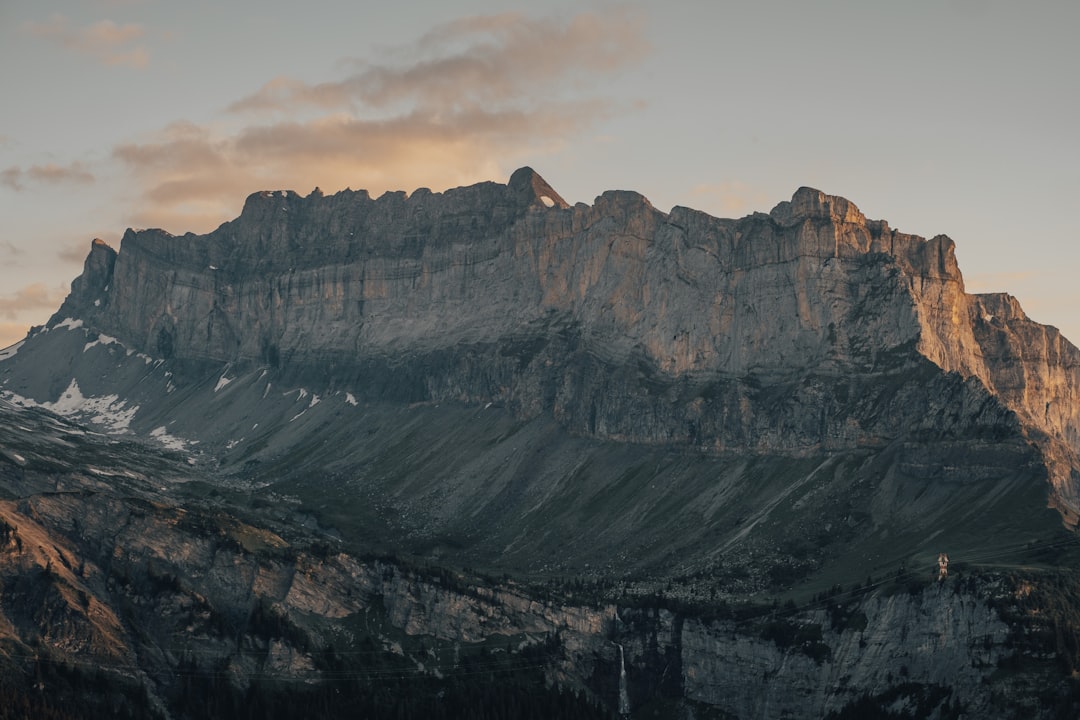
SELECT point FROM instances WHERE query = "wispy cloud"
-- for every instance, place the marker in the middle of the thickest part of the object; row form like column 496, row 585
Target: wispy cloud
column 993, row 282
column 105, row 41
column 470, row 63
column 729, row 199
column 11, row 333
column 31, row 298
column 453, row 107
column 73, row 252
column 17, row 178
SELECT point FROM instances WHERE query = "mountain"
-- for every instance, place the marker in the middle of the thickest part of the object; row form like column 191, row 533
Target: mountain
column 596, row 438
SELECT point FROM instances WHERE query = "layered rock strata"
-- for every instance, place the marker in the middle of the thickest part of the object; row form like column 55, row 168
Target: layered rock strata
column 621, row 321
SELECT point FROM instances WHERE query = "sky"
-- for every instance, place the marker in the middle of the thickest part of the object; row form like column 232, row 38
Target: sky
column 954, row 117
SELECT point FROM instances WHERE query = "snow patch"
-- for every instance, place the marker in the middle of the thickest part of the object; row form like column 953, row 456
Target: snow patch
column 222, row 382
column 97, row 303
column 314, row 401
column 142, row 356
column 547, row 201
column 298, row 414
column 169, row 441
column 102, row 340
column 267, row 390
column 9, row 352
column 107, row 410
column 349, row 398
column 69, row 323
column 233, row 443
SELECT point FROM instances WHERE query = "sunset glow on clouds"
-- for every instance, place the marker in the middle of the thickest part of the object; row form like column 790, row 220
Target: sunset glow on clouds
column 104, row 40
column 143, row 113
column 35, row 297
column 467, row 98
column 17, row 178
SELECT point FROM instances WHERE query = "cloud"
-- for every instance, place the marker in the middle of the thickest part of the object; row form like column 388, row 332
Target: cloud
column 52, row 174
column 473, row 62
column 73, row 252
column 31, row 298
column 451, row 108
column 994, row 281
column 105, row 41
column 11, row 333
column 730, row 199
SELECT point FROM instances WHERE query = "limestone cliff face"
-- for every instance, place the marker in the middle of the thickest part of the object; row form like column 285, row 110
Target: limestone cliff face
column 621, row 321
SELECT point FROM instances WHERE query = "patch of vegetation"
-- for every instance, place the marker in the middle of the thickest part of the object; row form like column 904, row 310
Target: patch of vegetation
column 58, row 690
column 1044, row 610
column 908, row 701
column 373, row 683
column 9, row 535
column 846, row 616
column 802, row 637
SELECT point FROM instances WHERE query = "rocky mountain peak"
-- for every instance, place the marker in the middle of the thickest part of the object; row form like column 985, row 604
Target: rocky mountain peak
column 810, row 203
column 89, row 291
column 527, row 184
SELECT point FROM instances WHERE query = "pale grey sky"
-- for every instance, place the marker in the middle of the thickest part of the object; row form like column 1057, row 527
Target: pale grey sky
column 953, row 117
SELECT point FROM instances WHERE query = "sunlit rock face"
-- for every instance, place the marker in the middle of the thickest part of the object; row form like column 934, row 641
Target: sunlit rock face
column 621, row 321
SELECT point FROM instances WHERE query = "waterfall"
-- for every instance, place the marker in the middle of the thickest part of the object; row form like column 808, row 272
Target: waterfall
column 624, row 697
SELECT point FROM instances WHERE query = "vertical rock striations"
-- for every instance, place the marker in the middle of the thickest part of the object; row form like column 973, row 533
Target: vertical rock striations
column 620, row 320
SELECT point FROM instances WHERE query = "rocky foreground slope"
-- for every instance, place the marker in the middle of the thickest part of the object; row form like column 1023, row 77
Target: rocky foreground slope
column 652, row 426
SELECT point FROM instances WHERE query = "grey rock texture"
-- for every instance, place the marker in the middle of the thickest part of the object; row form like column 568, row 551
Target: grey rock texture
column 621, row 321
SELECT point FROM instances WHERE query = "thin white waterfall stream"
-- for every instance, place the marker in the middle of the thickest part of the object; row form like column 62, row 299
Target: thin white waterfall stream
column 624, row 697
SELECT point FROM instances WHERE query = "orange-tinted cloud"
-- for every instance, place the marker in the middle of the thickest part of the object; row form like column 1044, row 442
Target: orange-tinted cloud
column 105, row 41
column 729, row 199
column 994, row 282
column 11, row 333
column 459, row 105
column 473, row 62
column 73, row 252
column 16, row 178
column 31, row 298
